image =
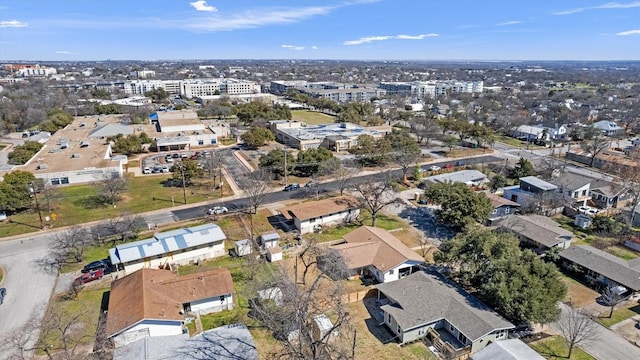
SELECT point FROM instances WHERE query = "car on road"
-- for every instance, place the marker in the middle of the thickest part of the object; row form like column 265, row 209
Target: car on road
column 292, row 187
column 89, row 277
column 3, row 292
column 434, row 168
column 460, row 163
column 448, row 165
column 146, row 170
column 96, row 265
column 217, row 210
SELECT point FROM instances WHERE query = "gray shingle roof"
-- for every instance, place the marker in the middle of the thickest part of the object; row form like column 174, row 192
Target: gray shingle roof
column 425, row 297
column 539, row 183
column 538, row 228
column 613, row 267
column 571, row 181
column 512, row 349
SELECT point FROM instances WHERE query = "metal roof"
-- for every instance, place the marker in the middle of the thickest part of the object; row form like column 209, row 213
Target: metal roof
column 166, row 242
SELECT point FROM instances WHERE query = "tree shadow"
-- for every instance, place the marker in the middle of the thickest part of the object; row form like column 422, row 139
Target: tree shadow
column 547, row 351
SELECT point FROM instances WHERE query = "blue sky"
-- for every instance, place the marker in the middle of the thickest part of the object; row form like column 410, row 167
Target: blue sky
column 321, row 29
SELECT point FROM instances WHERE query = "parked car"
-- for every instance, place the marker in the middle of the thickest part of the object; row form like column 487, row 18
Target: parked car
column 3, row 292
column 168, row 159
column 89, row 277
column 146, row 170
column 165, row 169
column 175, row 155
column 291, row 187
column 217, row 210
column 96, row 265
column 460, row 163
column 448, row 165
column 434, row 168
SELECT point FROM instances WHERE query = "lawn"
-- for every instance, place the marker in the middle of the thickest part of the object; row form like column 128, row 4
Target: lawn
column 463, row 152
column 623, row 253
column 88, row 305
column 76, row 206
column 554, row 347
column 578, row 294
column 619, row 314
column 336, row 232
column 312, row 117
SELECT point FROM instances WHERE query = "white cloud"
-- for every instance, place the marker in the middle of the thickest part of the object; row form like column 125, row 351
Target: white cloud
column 292, row 47
column 629, row 32
column 506, row 23
column 13, row 23
column 369, row 39
column 314, row 47
column 258, row 18
column 66, row 52
column 202, row 5
column 610, row 5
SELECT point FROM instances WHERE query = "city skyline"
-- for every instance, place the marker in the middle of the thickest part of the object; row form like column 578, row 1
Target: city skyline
column 35, row 30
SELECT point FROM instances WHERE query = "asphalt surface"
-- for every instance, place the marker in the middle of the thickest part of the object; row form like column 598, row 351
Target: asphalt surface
column 608, row 346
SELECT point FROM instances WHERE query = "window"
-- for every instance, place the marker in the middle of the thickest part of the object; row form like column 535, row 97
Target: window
column 399, row 329
column 451, row 328
column 495, row 211
column 391, row 272
column 200, row 142
column 214, row 141
column 222, row 297
column 462, row 338
column 507, row 210
column 312, row 220
column 64, row 180
column 55, row 181
column 389, row 318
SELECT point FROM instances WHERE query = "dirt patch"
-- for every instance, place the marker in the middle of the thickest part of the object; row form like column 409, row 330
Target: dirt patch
column 579, row 295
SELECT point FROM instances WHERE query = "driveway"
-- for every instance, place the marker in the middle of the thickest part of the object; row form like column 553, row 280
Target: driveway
column 608, row 346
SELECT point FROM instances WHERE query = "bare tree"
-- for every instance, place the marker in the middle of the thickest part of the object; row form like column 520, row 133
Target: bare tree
column 111, row 186
column 576, row 328
column 630, row 177
column 256, row 191
column 376, row 195
column 611, row 298
column 119, row 228
column 595, row 146
column 291, row 318
column 70, row 245
column 424, row 128
column 343, row 175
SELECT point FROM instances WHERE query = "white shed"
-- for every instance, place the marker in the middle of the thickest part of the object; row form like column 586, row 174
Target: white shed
column 243, row 247
column 274, row 254
column 320, row 326
column 269, row 239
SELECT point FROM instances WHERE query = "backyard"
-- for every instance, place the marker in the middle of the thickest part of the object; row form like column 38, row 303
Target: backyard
column 555, row 348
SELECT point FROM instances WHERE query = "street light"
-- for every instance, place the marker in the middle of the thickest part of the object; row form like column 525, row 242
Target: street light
column 35, row 197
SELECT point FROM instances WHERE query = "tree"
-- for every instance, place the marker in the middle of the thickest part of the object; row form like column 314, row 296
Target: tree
column 23, row 153
column 516, row 283
column 498, row 182
column 291, row 318
column 309, row 161
column 595, row 146
column 371, row 151
column 343, row 175
column 16, row 194
column 70, row 245
column 576, row 328
column 376, row 195
column 611, row 298
column 274, row 161
column 522, row 169
column 157, row 94
column 186, row 170
column 630, row 177
column 257, row 136
column 450, row 141
column 424, row 127
column 459, row 205
column 111, row 187
column 405, row 150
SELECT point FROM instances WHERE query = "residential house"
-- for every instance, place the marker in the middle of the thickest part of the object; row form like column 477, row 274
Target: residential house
column 556, row 132
column 228, row 342
column 269, row 239
column 427, row 305
column 609, row 195
column 602, row 268
column 369, row 251
column 530, row 133
column 153, row 302
column 533, row 194
column 511, row 349
column 502, row 207
column 312, row 216
column 537, row 232
column 469, row 177
column 608, row 128
column 574, row 189
column 181, row 246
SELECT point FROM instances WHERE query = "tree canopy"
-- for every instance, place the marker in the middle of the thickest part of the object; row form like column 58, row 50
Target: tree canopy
column 257, row 136
column 523, row 168
column 249, row 112
column 371, row 151
column 309, row 161
column 14, row 190
column 514, row 282
column 22, row 153
column 157, row 94
column 459, row 205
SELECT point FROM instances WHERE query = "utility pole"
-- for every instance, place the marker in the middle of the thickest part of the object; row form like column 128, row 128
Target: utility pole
column 35, row 197
column 286, row 181
column 183, row 168
column 220, row 183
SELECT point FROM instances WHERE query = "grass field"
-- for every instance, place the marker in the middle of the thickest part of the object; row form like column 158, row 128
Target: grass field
column 336, row 232
column 75, row 205
column 619, row 314
column 555, row 348
column 311, row 117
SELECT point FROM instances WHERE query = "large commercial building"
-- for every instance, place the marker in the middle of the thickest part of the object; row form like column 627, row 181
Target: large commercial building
column 423, row 89
column 193, row 88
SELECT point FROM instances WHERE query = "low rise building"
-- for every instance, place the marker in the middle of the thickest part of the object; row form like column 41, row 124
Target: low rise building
column 537, row 232
column 335, row 137
column 310, row 216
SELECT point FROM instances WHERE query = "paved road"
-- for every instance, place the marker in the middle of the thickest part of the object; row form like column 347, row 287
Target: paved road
column 609, row 345
column 29, row 286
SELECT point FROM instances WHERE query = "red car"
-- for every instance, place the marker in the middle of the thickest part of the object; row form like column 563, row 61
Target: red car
column 89, row 277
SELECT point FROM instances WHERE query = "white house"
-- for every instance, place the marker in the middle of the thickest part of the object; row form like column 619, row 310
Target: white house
column 312, row 216
column 529, row 133
column 181, row 246
column 153, row 302
column 374, row 252
column 609, row 128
